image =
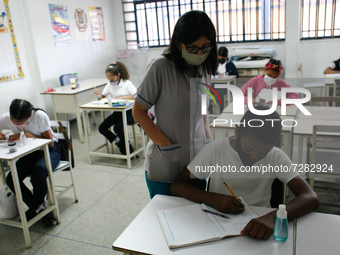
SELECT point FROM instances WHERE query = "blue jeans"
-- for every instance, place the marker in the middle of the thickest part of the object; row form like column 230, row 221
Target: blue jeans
column 34, row 165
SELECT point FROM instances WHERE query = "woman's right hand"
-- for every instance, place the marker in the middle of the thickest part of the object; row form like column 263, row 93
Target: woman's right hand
column 97, row 92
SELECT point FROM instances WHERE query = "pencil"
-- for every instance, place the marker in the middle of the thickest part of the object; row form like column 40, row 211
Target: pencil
column 230, row 190
column 94, row 86
column 215, row 213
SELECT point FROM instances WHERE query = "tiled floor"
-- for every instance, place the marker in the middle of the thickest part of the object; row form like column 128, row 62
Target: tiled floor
column 109, row 199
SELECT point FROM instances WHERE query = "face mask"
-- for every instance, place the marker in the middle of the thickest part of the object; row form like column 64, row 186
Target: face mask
column 114, row 83
column 194, row 59
column 221, row 61
column 245, row 157
column 269, row 80
column 19, row 126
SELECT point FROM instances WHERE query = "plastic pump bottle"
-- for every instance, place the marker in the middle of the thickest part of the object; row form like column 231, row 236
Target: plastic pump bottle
column 281, row 224
column 109, row 100
column 23, row 139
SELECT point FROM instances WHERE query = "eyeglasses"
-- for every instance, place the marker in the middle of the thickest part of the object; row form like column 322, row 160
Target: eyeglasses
column 194, row 50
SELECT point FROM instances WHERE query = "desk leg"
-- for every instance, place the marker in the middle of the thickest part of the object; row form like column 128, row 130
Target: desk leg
column 86, row 136
column 126, row 136
column 50, row 179
column 300, row 149
column 80, row 129
column 20, row 203
column 334, row 91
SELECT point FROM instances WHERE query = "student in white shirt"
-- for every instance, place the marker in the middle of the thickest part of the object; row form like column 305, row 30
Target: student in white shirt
column 333, row 68
column 252, row 147
column 118, row 87
column 35, row 123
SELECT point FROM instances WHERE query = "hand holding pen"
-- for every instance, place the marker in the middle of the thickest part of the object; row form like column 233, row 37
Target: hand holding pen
column 3, row 136
column 236, row 201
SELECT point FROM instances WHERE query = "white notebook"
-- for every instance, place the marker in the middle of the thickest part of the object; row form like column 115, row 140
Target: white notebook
column 189, row 225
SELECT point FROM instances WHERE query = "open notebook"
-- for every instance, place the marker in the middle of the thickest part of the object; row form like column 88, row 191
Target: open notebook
column 189, row 225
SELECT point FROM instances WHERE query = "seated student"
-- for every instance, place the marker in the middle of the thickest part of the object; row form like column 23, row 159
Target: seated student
column 224, row 66
column 334, row 67
column 268, row 80
column 35, row 123
column 118, row 87
column 251, row 146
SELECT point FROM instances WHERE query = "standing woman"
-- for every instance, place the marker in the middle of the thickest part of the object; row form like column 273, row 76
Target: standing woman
column 35, row 123
column 170, row 85
column 118, row 87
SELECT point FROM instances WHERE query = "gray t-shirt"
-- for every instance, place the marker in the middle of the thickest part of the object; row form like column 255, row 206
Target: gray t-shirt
column 177, row 104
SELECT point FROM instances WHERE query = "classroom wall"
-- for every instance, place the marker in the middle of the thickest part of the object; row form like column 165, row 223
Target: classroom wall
column 43, row 62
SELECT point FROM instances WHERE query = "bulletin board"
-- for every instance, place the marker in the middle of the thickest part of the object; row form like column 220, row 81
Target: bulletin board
column 10, row 64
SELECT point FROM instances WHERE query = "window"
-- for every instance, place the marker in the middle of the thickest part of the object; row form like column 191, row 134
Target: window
column 150, row 23
column 320, row 18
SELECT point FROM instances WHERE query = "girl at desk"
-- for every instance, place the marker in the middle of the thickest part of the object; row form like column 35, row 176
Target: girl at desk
column 171, row 84
column 268, row 80
column 35, row 123
column 118, row 87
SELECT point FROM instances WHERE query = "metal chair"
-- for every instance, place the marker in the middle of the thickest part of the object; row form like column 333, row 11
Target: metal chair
column 62, row 129
column 325, row 155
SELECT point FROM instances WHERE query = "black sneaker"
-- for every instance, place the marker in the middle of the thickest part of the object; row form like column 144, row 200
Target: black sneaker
column 30, row 214
column 49, row 220
column 121, row 146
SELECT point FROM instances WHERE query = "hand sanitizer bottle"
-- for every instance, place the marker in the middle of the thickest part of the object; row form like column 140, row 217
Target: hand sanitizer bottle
column 281, row 224
column 23, row 139
column 109, row 100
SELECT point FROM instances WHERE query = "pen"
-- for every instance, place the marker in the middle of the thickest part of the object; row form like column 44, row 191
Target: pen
column 215, row 213
column 94, row 86
column 230, row 190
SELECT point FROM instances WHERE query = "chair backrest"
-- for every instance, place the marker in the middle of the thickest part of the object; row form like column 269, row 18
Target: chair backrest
column 63, row 136
column 321, row 138
column 65, row 79
column 324, row 99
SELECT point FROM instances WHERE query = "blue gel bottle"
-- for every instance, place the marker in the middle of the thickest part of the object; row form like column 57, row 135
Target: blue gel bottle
column 281, row 224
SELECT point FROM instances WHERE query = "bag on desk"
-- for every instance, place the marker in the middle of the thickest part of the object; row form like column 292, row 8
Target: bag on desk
column 8, row 203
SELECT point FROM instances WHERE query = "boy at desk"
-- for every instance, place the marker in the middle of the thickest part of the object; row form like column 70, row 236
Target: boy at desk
column 252, row 146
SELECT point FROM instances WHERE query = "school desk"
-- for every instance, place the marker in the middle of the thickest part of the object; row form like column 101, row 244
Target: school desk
column 96, row 106
column 318, row 233
column 67, row 100
column 145, row 236
column 12, row 158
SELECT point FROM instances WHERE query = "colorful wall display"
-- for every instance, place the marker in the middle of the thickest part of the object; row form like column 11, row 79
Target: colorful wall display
column 60, row 24
column 97, row 23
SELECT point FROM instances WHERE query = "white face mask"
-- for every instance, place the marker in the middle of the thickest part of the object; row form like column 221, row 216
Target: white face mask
column 194, row 59
column 269, row 80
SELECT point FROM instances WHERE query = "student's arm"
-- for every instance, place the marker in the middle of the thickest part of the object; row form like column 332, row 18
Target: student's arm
column 183, row 186
column 140, row 114
column 329, row 70
column 207, row 127
column 304, row 202
column 45, row 135
column 129, row 97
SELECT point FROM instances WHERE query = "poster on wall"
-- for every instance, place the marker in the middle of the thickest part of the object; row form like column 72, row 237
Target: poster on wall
column 81, row 24
column 60, row 24
column 97, row 23
column 10, row 65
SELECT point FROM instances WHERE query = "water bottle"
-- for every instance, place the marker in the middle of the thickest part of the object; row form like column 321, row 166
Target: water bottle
column 281, row 224
column 109, row 100
column 23, row 139
column 75, row 75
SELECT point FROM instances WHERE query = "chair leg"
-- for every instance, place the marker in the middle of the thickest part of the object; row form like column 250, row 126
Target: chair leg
column 74, row 188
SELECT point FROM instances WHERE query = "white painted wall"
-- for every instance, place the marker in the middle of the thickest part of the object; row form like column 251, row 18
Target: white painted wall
column 43, row 62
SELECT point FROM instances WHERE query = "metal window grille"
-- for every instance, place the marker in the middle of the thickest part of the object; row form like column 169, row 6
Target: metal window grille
column 150, row 23
column 320, row 19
